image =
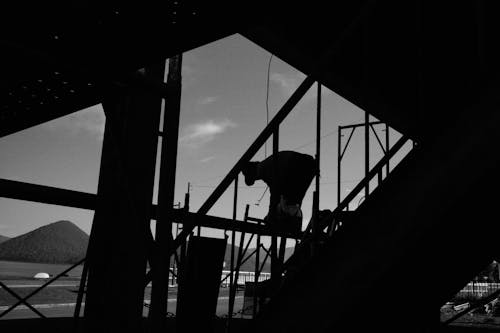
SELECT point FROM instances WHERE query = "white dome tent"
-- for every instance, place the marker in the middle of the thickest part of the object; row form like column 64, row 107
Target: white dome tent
column 41, row 276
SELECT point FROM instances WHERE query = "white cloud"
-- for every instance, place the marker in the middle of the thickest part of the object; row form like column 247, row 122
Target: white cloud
column 287, row 82
column 196, row 135
column 207, row 159
column 89, row 121
column 208, row 100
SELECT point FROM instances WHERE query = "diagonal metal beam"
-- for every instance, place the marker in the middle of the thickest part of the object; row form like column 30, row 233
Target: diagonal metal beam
column 24, row 299
column 10, row 291
column 276, row 121
column 252, row 150
column 357, row 189
column 377, row 137
column 347, row 143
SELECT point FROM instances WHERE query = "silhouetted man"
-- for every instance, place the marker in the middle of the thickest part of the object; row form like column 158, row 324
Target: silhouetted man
column 295, row 171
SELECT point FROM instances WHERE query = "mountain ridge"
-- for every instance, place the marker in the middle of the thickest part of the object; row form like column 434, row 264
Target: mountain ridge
column 3, row 238
column 60, row 242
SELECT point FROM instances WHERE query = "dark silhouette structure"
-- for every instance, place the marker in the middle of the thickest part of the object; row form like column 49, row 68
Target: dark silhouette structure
column 427, row 69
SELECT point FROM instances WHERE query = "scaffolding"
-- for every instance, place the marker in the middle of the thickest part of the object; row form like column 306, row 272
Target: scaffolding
column 166, row 254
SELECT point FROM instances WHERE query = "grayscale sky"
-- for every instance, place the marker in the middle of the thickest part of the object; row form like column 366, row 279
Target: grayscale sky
column 223, row 109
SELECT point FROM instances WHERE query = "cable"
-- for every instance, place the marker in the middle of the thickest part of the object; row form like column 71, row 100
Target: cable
column 267, row 99
column 267, row 119
column 322, row 137
column 261, row 197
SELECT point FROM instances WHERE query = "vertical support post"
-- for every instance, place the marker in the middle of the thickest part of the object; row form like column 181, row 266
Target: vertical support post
column 315, row 213
column 367, row 152
column 387, row 170
column 182, row 255
column 318, row 140
column 256, row 275
column 231, row 276
column 123, row 212
column 81, row 290
column 239, row 260
column 272, row 218
column 339, row 163
column 166, row 192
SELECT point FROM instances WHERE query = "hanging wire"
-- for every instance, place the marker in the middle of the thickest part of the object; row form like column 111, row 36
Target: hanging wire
column 267, row 120
column 267, row 99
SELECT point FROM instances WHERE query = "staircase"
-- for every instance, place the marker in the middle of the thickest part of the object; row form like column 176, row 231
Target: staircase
column 398, row 260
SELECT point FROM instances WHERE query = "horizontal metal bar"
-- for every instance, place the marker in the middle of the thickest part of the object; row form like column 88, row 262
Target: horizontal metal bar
column 46, row 194
column 361, row 125
column 189, row 220
column 69, row 198
column 254, row 219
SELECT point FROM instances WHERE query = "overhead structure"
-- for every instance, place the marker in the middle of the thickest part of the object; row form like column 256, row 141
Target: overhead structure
column 425, row 69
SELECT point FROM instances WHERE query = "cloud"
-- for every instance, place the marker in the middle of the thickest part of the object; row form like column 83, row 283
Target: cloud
column 207, row 159
column 196, row 135
column 289, row 82
column 208, row 100
column 89, row 121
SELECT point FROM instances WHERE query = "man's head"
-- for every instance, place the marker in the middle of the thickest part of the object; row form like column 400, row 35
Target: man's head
column 250, row 172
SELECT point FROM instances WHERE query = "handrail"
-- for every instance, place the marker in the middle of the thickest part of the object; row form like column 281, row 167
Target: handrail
column 357, row 189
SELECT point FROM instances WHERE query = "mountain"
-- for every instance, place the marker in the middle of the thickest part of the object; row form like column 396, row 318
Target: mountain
column 3, row 238
column 60, row 242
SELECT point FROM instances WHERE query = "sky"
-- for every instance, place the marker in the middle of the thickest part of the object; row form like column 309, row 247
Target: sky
column 223, row 109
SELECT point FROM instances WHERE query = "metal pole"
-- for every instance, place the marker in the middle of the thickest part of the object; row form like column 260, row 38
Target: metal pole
column 182, row 255
column 241, row 252
column 233, row 240
column 367, row 152
column 81, row 290
column 256, row 275
column 265, row 259
column 387, row 148
column 339, row 162
column 166, row 192
column 315, row 214
column 318, row 139
column 272, row 218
